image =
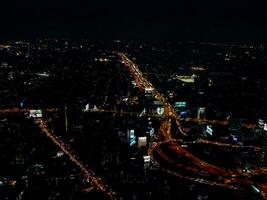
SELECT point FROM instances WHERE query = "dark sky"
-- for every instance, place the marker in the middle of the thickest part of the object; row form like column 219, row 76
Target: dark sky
column 217, row 20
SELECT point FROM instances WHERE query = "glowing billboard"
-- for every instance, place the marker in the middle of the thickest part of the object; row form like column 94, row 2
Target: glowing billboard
column 261, row 122
column 180, row 104
column 36, row 114
column 131, row 137
column 142, row 142
column 146, row 159
column 160, row 110
column 209, row 130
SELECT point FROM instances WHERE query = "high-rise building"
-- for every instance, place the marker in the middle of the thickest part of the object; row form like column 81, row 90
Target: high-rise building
column 201, row 113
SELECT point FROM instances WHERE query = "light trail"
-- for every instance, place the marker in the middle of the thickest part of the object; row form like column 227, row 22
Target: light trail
column 165, row 136
column 219, row 122
column 25, row 110
column 88, row 174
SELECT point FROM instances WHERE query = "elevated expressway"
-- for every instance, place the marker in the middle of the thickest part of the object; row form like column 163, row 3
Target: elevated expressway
column 170, row 155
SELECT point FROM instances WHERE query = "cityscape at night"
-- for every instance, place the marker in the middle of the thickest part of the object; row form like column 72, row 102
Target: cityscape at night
column 161, row 104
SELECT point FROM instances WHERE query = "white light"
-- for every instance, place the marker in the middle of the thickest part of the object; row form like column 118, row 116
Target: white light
column 36, row 114
column 146, row 159
column 256, row 189
column 142, row 141
column 260, row 122
column 209, row 130
column 59, row 154
column 160, row 111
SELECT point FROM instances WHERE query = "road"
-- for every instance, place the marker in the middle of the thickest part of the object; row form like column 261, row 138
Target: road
column 218, row 122
column 164, row 136
column 199, row 121
column 142, row 83
column 89, row 175
column 25, row 110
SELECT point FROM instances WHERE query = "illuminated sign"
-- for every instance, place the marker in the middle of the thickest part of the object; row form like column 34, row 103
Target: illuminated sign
column 142, row 141
column 150, row 131
column 146, row 159
column 171, row 94
column 36, row 113
column 261, row 122
column 180, row 104
column 87, row 107
column 149, row 89
column 131, row 137
column 265, row 127
column 234, row 138
column 160, row 110
column 209, row 130
column 255, row 189
column 149, row 92
column 134, row 84
column 183, row 115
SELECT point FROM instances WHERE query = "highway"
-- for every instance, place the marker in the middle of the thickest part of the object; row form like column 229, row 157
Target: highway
column 199, row 121
column 226, row 179
column 218, row 122
column 89, row 175
column 143, row 83
column 25, row 110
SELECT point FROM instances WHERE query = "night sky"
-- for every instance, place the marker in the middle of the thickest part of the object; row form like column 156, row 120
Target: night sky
column 179, row 20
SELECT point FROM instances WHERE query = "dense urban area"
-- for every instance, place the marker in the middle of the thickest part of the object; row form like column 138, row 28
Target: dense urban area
column 132, row 120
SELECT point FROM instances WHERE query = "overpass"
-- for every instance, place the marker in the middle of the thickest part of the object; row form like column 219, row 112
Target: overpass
column 164, row 137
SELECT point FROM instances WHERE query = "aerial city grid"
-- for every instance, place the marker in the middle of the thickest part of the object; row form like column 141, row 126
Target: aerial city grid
column 97, row 114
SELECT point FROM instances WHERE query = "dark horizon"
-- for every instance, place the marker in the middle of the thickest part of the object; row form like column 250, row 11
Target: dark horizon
column 219, row 21
column 130, row 100
column 137, row 31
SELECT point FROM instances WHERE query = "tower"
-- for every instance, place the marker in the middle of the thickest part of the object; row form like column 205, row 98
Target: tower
column 201, row 113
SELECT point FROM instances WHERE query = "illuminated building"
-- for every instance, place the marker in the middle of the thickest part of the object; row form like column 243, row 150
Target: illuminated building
column 187, row 79
column 201, row 114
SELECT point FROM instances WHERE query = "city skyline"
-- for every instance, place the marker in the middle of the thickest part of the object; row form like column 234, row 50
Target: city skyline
column 135, row 100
